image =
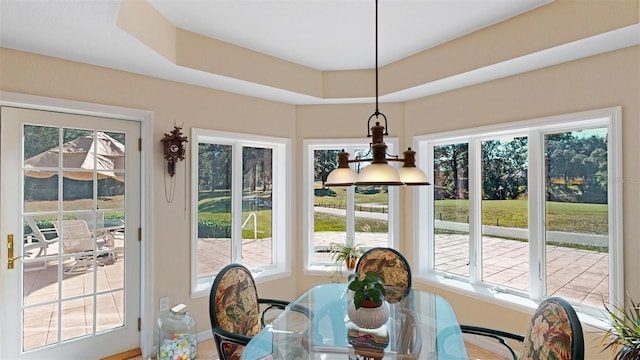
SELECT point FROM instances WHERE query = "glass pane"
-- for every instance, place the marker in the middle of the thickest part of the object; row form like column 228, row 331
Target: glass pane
column 112, row 144
column 40, row 191
column 257, row 195
column 505, row 249
column 40, row 285
column 77, row 318
column 78, row 152
column 451, row 208
column 372, row 216
column 577, row 241
column 110, row 274
column 214, row 208
column 111, row 192
column 40, row 326
column 110, row 314
column 329, row 218
column 77, row 194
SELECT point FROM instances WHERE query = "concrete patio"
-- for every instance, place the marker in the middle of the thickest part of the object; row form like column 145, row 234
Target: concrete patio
column 579, row 275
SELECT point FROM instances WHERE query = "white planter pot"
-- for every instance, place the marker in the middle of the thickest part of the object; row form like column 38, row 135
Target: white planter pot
column 369, row 318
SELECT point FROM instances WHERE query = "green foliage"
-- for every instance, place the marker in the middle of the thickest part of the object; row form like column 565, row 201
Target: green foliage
column 214, row 228
column 324, row 192
column 576, row 165
column 324, row 162
column 343, row 252
column 367, row 287
column 624, row 335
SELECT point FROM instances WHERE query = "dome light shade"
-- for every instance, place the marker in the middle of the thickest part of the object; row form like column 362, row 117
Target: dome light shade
column 413, row 176
column 379, row 174
column 341, row 177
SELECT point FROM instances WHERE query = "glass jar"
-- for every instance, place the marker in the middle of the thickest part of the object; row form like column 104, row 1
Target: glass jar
column 177, row 339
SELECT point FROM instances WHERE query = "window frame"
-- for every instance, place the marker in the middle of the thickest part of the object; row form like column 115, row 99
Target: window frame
column 309, row 146
column 281, row 203
column 535, row 129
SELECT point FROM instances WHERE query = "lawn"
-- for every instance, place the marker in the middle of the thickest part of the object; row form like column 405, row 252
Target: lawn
column 569, row 217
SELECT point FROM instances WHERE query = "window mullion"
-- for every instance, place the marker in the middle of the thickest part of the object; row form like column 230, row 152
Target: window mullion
column 475, row 211
column 236, row 204
column 536, row 214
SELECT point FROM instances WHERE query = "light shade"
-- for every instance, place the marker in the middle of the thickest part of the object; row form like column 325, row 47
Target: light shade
column 413, row 176
column 379, row 174
column 341, row 177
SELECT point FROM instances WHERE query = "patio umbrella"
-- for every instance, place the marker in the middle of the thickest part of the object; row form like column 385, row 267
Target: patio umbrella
column 105, row 155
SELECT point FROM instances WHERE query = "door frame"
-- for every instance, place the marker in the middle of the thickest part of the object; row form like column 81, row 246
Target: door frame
column 145, row 118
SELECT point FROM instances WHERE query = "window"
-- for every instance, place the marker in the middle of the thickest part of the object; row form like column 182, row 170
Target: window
column 240, row 201
column 366, row 214
column 526, row 210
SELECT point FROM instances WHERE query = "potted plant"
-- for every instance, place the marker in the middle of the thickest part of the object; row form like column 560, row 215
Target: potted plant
column 624, row 335
column 367, row 308
column 348, row 253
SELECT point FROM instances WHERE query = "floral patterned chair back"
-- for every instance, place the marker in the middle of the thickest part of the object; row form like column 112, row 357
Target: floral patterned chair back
column 393, row 269
column 234, row 310
column 554, row 333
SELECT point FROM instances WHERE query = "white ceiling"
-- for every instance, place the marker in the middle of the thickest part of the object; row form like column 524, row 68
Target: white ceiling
column 321, row 34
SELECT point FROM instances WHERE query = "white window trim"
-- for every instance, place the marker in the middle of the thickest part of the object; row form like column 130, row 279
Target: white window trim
column 282, row 203
column 309, row 146
column 610, row 117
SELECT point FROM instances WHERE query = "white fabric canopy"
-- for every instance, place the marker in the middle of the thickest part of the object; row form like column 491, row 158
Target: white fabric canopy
column 79, row 157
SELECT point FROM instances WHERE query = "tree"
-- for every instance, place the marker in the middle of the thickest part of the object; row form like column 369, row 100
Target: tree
column 451, row 164
column 324, row 162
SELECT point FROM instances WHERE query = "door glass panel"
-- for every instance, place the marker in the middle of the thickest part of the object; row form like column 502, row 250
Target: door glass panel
column 577, row 231
column 451, row 208
column 505, row 248
column 214, row 208
column 73, row 233
column 257, row 213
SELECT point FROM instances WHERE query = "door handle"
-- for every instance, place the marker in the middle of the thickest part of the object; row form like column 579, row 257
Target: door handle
column 10, row 258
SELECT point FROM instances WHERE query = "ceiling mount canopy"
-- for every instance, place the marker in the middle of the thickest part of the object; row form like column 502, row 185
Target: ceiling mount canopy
column 379, row 172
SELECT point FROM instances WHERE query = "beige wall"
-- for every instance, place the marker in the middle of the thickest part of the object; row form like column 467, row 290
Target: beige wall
column 171, row 103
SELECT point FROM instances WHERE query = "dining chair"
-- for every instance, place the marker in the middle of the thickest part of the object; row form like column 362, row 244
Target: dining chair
column 393, row 268
column 554, row 332
column 235, row 310
column 78, row 240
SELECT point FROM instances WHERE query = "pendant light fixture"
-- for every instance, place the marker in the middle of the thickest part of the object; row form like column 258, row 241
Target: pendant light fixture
column 379, row 172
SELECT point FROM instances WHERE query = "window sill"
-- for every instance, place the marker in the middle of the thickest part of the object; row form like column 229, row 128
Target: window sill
column 203, row 286
column 507, row 300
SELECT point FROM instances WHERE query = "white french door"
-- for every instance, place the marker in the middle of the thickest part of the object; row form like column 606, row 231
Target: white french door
column 70, row 211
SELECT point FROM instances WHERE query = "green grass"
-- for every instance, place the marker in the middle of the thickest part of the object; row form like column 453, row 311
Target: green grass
column 568, row 217
column 216, row 205
column 340, row 200
column 328, row 222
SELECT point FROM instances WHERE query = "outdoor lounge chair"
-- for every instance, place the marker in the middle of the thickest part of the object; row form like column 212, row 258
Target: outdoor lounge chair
column 78, row 240
column 37, row 239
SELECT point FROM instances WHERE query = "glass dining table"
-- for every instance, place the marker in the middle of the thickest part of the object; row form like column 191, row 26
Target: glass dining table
column 421, row 325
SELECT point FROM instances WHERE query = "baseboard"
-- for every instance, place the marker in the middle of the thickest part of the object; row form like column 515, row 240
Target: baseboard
column 125, row 355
